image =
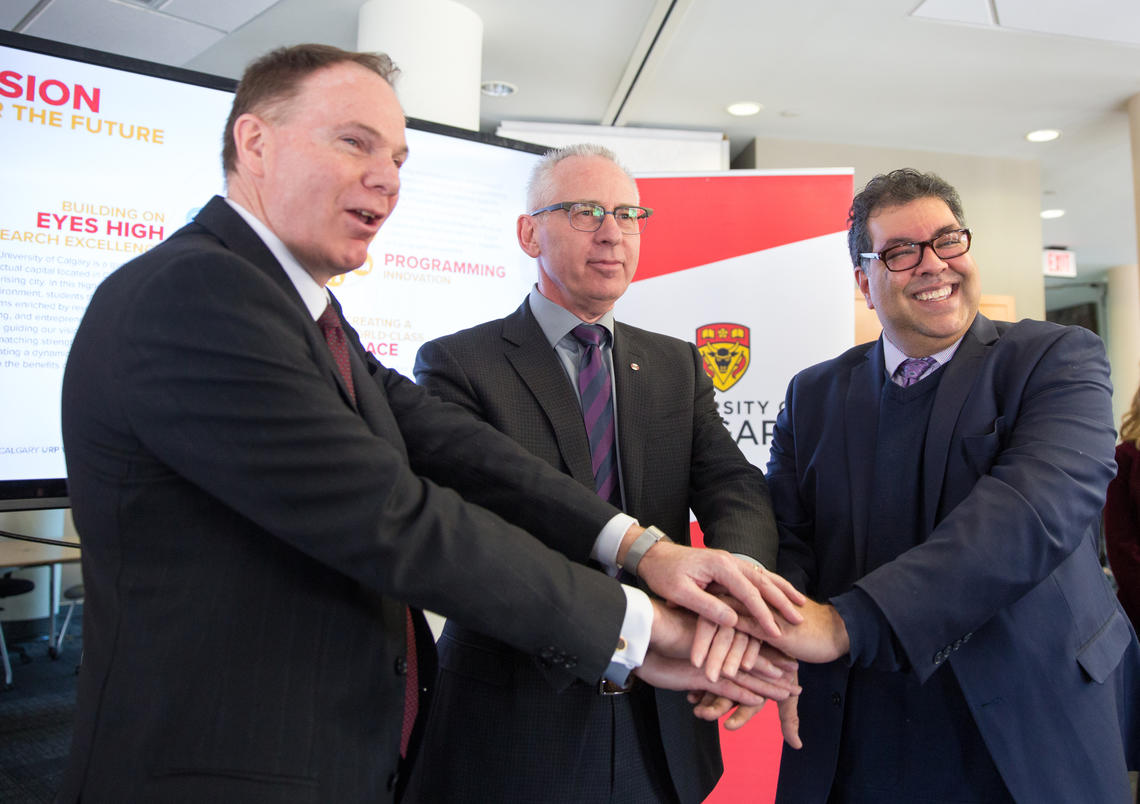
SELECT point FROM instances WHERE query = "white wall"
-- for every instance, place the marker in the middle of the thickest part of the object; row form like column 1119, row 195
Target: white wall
column 1001, row 197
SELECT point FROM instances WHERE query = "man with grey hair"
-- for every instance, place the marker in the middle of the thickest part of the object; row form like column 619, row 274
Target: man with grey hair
column 939, row 491
column 552, row 375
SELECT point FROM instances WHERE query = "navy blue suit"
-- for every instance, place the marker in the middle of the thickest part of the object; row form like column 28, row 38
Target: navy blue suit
column 1005, row 585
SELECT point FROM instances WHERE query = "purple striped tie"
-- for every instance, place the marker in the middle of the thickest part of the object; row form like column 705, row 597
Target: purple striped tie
column 911, row 369
column 598, row 409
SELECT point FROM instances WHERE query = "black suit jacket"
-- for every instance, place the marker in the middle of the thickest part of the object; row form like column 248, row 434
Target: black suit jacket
column 251, row 537
column 675, row 455
column 1006, row 585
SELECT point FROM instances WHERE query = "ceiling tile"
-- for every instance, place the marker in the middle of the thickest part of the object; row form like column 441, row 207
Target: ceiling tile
column 12, row 11
column 225, row 15
column 1107, row 20
column 971, row 12
column 120, row 28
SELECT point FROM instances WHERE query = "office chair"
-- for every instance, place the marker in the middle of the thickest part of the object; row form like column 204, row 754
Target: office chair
column 73, row 595
column 9, row 587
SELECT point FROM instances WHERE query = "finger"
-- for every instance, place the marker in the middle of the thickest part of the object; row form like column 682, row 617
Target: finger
column 702, row 641
column 718, row 652
column 777, row 690
column 740, row 642
column 706, row 605
column 790, row 722
column 779, row 659
column 713, row 707
column 746, row 589
column 752, row 654
column 741, row 716
column 779, row 595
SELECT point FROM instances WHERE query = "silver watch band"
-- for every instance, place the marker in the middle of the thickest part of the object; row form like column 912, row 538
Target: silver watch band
column 649, row 537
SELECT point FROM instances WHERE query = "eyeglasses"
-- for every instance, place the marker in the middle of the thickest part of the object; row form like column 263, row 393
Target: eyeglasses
column 587, row 217
column 904, row 256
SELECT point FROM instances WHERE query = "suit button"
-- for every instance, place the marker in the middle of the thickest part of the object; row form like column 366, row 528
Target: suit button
column 836, row 699
column 546, row 654
column 401, row 665
column 571, row 661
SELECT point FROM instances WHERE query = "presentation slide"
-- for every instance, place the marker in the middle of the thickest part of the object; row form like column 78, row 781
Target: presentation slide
column 106, row 162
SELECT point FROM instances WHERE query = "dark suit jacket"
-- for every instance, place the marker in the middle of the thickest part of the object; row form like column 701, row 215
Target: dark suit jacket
column 675, row 454
column 1006, row 586
column 251, row 537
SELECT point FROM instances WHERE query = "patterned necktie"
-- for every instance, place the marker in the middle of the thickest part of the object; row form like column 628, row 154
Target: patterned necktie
column 909, row 371
column 329, row 323
column 598, row 409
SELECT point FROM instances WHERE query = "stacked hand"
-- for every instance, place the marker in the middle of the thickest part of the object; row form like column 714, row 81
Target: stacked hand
column 712, row 639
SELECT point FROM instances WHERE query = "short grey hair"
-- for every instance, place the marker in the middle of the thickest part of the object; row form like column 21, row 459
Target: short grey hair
column 539, row 186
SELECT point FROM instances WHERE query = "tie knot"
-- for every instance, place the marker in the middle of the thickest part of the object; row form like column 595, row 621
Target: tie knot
column 328, row 319
column 590, row 334
column 912, row 368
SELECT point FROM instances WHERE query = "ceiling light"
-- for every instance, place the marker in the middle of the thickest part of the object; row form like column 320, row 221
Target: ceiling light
column 744, row 108
column 1043, row 135
column 1050, row 214
column 498, row 89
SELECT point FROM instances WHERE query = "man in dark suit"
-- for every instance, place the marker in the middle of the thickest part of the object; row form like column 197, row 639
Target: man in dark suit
column 503, row 726
column 940, row 491
column 260, row 500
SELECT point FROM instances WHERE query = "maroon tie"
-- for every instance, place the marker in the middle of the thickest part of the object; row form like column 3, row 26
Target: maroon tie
column 329, row 322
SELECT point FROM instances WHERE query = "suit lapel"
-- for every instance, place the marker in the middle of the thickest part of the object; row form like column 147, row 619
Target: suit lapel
column 632, row 398
column 861, row 413
column 955, row 386
column 236, row 235
column 526, row 349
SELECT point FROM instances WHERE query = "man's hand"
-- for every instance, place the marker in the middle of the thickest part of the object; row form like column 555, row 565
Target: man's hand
column 683, row 576
column 820, row 637
column 677, row 674
column 768, row 674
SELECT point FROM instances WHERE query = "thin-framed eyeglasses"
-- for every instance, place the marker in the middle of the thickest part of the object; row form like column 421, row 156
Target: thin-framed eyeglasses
column 904, row 256
column 587, row 217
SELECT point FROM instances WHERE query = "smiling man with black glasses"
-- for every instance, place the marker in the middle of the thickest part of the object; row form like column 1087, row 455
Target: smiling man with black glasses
column 939, row 492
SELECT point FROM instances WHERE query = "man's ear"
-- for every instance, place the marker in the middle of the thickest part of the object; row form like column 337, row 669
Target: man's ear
column 251, row 139
column 528, row 236
column 864, row 286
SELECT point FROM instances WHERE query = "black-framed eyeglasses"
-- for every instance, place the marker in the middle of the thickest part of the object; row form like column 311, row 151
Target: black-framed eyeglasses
column 904, row 256
column 587, row 217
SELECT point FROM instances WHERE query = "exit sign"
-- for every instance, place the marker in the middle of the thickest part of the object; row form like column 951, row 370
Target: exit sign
column 1059, row 262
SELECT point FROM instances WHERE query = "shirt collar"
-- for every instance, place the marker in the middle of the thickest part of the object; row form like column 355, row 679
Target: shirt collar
column 893, row 356
column 556, row 321
column 315, row 296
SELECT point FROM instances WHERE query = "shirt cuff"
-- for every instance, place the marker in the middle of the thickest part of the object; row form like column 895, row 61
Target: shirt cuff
column 609, row 540
column 634, row 640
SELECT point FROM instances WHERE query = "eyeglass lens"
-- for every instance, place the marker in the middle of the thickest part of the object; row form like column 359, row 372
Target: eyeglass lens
column 589, row 217
column 905, row 256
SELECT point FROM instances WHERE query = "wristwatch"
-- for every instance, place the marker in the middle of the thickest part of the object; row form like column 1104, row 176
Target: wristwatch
column 649, row 537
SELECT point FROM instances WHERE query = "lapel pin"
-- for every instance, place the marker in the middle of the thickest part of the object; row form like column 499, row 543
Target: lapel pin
column 635, row 366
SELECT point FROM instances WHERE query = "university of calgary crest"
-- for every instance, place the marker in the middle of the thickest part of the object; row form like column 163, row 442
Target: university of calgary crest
column 725, row 350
